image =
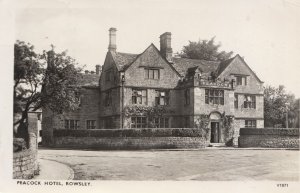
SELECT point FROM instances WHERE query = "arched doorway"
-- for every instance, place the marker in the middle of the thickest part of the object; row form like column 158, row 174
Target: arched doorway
column 215, row 129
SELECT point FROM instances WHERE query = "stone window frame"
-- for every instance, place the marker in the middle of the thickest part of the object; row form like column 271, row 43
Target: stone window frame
column 152, row 73
column 241, row 80
column 71, row 124
column 142, row 96
column 250, row 123
column 214, row 96
column 249, row 101
column 90, row 124
column 138, row 122
column 162, row 97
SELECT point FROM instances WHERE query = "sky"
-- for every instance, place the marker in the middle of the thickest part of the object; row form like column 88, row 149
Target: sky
column 265, row 33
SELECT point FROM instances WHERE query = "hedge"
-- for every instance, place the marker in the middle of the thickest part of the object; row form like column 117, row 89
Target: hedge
column 270, row 131
column 147, row 132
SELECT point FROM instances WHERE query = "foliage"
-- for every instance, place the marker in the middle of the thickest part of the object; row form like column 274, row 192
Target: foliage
column 205, row 50
column 276, row 104
column 42, row 80
column 143, row 132
column 229, row 129
column 19, row 144
column 141, row 110
column 269, row 131
column 202, row 123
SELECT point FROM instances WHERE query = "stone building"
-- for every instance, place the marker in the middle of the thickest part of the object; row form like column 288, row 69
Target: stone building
column 225, row 94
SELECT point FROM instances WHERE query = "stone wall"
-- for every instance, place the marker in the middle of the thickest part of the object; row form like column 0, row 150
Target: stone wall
column 130, row 142
column 25, row 164
column 147, row 138
column 269, row 138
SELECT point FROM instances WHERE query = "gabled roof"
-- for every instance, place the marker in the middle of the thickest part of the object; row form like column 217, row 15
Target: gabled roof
column 123, row 60
column 226, row 63
column 223, row 65
column 183, row 64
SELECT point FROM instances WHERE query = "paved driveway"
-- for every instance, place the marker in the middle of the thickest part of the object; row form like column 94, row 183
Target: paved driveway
column 204, row 165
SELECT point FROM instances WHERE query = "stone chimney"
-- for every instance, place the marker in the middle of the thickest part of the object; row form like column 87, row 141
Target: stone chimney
column 98, row 69
column 86, row 72
column 112, row 39
column 165, row 46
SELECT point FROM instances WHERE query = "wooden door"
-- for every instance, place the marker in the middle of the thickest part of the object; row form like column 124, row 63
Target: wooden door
column 215, row 132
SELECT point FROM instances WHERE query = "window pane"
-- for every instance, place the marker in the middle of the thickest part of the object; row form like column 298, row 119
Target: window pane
column 72, row 124
column 236, row 101
column 222, row 101
column 221, row 93
column 138, row 120
column 206, row 92
column 162, row 100
column 133, row 100
column 156, row 76
column 139, row 100
column 144, row 92
column 206, row 100
column 77, row 124
column 66, row 124
column 239, row 80
column 151, row 74
column 146, row 73
column 166, row 123
column 144, row 99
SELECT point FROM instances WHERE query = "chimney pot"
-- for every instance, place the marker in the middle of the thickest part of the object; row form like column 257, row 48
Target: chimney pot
column 112, row 39
column 98, row 69
column 165, row 46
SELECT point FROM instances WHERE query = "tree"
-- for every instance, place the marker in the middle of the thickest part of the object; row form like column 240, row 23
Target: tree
column 277, row 103
column 205, row 50
column 42, row 80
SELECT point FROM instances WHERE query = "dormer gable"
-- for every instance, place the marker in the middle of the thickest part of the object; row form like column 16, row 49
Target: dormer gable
column 240, row 68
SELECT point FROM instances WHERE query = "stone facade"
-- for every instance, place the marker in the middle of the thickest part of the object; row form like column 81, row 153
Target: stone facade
column 187, row 89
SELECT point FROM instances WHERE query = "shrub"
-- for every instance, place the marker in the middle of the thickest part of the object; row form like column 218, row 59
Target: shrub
column 277, row 131
column 145, row 132
column 19, row 144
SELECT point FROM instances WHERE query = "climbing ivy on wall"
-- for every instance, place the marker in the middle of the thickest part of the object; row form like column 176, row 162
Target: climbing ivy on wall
column 140, row 110
column 203, row 123
column 148, row 111
column 229, row 129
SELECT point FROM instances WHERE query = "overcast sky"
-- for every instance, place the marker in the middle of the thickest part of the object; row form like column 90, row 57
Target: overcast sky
column 265, row 33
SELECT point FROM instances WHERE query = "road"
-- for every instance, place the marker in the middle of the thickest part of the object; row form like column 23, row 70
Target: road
column 202, row 165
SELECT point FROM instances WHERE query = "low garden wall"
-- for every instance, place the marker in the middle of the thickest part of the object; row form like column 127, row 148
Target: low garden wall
column 25, row 164
column 130, row 138
column 269, row 137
